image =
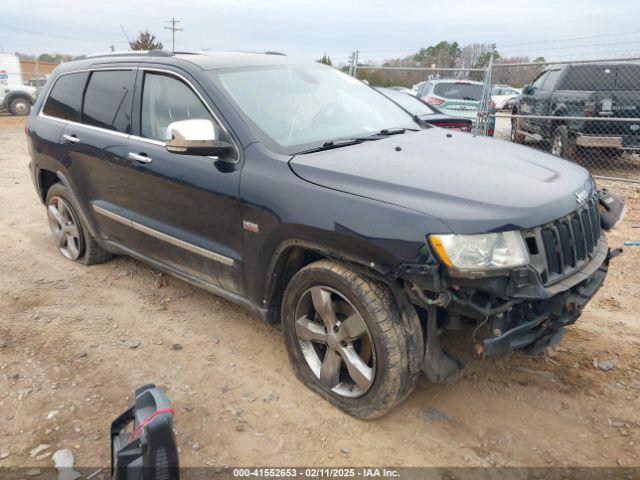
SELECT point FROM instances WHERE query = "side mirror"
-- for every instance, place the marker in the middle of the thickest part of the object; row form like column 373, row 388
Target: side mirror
column 527, row 90
column 195, row 137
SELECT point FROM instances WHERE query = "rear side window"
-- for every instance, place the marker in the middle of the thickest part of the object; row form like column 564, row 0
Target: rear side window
column 166, row 99
column 628, row 77
column 459, row 91
column 107, row 101
column 591, row 78
column 65, row 99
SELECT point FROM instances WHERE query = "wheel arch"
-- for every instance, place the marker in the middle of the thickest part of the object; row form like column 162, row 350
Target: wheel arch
column 11, row 96
column 292, row 255
column 80, row 209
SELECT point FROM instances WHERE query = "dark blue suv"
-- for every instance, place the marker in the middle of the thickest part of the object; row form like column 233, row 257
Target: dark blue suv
column 313, row 200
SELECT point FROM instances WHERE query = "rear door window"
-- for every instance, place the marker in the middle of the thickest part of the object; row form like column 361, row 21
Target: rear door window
column 590, row 78
column 628, row 77
column 107, row 101
column 65, row 99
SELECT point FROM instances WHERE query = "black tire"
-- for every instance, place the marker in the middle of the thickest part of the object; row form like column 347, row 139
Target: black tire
column 562, row 144
column 398, row 353
column 20, row 107
column 516, row 136
column 90, row 253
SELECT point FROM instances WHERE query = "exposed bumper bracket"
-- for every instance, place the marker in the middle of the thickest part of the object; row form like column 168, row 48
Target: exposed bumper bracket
column 438, row 365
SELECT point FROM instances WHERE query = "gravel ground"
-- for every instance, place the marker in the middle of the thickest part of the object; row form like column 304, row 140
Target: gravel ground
column 63, row 347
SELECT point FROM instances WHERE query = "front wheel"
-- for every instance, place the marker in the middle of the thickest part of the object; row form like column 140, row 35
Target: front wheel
column 516, row 136
column 346, row 341
column 562, row 145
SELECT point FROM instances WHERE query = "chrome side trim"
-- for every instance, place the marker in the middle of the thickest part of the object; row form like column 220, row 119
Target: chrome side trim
column 113, row 216
column 164, row 237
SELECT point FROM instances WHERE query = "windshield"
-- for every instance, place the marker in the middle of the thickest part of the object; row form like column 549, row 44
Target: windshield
column 296, row 107
column 408, row 102
column 459, row 91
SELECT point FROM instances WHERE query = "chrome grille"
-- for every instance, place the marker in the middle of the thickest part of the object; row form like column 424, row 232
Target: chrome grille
column 567, row 243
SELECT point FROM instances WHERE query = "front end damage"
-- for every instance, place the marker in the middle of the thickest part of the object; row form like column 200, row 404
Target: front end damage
column 500, row 324
column 524, row 308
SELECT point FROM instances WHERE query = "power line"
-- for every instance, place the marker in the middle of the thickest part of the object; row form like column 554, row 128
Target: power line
column 570, row 39
column 58, row 36
column 576, row 46
column 173, row 29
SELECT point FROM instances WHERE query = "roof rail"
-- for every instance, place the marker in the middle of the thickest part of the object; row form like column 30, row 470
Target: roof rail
column 275, row 53
column 128, row 53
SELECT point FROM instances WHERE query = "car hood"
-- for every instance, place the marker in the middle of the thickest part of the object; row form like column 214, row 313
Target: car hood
column 472, row 184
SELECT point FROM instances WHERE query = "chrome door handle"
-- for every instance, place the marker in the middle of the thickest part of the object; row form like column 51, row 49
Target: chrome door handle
column 139, row 158
column 71, row 138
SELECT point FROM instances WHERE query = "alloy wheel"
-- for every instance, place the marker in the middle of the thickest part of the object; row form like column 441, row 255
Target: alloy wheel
column 64, row 227
column 335, row 341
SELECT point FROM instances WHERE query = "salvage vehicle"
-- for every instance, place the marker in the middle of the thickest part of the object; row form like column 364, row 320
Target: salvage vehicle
column 17, row 99
column 310, row 199
column 426, row 113
column 564, row 92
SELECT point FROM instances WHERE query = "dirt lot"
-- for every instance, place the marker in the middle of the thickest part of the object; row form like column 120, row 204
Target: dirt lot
column 62, row 336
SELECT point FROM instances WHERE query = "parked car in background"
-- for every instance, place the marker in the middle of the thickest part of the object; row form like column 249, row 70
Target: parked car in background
column 17, row 99
column 502, row 94
column 401, row 89
column 510, row 104
column 425, row 112
column 416, row 87
column 460, row 98
column 582, row 90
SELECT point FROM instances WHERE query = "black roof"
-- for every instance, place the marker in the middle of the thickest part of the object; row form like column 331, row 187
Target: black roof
column 202, row 60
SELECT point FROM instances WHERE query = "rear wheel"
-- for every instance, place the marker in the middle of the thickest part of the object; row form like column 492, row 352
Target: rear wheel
column 70, row 235
column 346, row 340
column 20, row 107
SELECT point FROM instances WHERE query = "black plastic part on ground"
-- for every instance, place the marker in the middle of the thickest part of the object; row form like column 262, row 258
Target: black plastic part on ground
column 143, row 446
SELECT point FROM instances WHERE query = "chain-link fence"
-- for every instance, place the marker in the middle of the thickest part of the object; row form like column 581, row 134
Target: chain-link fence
column 585, row 111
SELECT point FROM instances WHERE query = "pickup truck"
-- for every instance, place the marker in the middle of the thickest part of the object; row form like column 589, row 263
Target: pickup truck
column 17, row 99
column 599, row 91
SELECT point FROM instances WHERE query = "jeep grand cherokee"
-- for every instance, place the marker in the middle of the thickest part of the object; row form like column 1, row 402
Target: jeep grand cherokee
column 311, row 199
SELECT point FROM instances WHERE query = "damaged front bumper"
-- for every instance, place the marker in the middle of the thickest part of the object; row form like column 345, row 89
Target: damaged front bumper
column 545, row 329
column 516, row 316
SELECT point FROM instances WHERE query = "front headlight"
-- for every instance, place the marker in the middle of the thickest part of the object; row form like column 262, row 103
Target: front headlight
column 487, row 251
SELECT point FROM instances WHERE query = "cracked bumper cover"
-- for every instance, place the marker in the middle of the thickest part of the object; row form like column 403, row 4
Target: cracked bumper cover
column 562, row 309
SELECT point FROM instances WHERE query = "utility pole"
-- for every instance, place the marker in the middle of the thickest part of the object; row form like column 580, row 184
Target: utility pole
column 173, row 29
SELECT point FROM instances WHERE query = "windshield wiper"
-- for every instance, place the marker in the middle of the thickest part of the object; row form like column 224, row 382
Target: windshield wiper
column 343, row 142
column 391, row 131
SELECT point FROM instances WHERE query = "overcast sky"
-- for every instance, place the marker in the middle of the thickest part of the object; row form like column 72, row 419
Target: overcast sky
column 379, row 29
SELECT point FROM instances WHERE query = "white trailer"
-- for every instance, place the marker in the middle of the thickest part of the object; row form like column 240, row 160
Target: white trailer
column 10, row 72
